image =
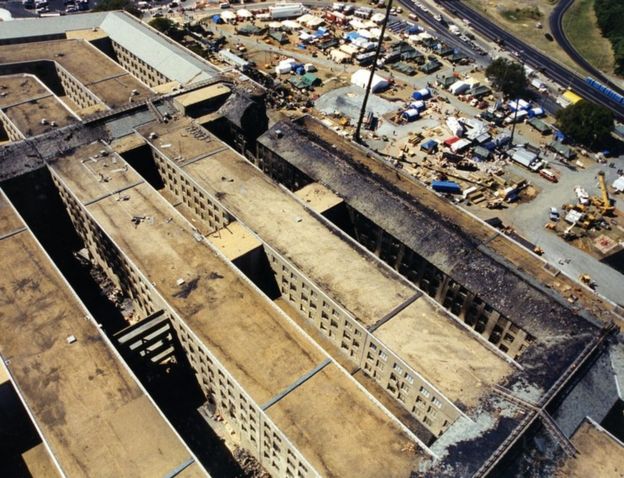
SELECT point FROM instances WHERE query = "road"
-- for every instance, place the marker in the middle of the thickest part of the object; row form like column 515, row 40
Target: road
column 530, row 55
column 556, row 27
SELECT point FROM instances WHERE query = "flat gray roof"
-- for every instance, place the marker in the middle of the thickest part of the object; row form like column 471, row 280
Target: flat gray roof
column 169, row 58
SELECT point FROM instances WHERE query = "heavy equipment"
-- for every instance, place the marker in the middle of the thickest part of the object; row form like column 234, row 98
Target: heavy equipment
column 603, row 203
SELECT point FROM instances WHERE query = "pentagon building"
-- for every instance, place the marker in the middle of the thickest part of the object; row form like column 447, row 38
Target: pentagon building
column 335, row 316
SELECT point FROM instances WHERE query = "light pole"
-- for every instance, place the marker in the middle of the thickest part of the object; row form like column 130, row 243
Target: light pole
column 356, row 136
column 513, row 125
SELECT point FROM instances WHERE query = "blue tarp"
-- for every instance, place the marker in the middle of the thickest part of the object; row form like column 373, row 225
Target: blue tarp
column 217, row 19
column 429, row 145
column 352, row 36
column 559, row 136
column 413, row 30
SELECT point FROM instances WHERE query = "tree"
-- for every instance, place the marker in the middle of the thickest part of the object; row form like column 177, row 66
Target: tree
column 109, row 5
column 507, row 76
column 167, row 27
column 587, row 123
column 162, row 24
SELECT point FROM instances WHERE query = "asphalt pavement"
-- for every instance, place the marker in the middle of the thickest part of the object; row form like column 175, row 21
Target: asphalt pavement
column 529, row 55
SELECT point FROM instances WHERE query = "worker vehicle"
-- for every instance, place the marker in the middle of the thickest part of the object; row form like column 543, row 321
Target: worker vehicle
column 548, row 175
column 553, row 214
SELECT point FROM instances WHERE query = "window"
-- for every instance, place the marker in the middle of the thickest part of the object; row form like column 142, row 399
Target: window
column 409, row 378
column 398, row 368
column 383, row 356
column 436, row 402
column 424, row 392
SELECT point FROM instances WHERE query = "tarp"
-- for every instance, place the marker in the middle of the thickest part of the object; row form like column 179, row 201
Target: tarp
column 451, row 140
column 430, row 145
column 228, row 16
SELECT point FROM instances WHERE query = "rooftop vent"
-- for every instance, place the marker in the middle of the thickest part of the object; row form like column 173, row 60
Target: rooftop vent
column 278, row 133
column 44, row 121
column 153, row 135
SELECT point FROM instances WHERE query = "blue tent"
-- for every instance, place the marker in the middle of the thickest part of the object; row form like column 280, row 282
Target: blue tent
column 352, row 36
column 413, row 30
column 217, row 19
column 559, row 136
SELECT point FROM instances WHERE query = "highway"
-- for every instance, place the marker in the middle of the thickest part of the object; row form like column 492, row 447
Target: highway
column 530, row 55
column 556, row 27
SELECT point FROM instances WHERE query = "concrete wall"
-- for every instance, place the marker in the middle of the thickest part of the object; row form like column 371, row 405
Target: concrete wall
column 254, row 429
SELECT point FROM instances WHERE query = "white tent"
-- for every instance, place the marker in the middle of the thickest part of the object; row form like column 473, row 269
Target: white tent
column 455, row 126
column 459, row 87
column 275, row 26
column 291, row 25
column 310, row 21
column 339, row 56
column 375, row 33
column 243, row 13
column 365, row 34
column 350, row 50
column 357, row 24
column 360, row 78
column 228, row 16
column 618, row 184
column 378, row 18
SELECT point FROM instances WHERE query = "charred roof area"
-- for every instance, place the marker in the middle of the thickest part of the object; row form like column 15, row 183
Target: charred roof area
column 559, row 329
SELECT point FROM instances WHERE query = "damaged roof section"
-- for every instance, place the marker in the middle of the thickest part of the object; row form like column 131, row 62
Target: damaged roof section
column 446, row 238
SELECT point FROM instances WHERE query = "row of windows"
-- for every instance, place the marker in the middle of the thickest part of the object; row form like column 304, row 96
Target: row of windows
column 126, row 278
column 317, row 307
column 196, row 199
column 348, row 334
column 138, row 67
column 402, row 383
column 215, row 381
column 225, row 395
column 12, row 132
column 77, row 92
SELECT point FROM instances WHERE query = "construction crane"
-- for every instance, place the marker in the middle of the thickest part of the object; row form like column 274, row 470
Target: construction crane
column 604, row 203
column 568, row 235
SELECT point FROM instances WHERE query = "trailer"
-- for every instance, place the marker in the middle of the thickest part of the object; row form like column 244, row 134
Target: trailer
column 449, row 187
column 234, row 60
column 286, row 10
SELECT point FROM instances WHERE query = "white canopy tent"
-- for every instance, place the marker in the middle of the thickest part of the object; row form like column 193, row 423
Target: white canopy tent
column 360, row 78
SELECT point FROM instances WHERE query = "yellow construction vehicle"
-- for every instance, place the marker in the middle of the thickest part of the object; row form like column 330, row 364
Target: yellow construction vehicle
column 605, row 207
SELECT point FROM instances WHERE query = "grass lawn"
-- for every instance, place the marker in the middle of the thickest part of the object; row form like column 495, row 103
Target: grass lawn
column 504, row 13
column 581, row 28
